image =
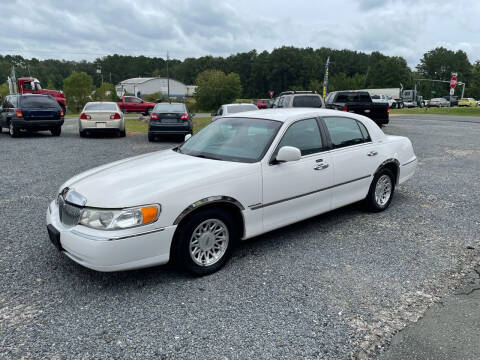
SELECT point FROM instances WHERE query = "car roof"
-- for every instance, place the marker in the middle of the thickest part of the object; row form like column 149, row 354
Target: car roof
column 170, row 103
column 237, row 104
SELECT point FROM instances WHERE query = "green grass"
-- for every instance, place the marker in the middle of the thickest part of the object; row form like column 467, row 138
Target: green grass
column 460, row 111
column 137, row 126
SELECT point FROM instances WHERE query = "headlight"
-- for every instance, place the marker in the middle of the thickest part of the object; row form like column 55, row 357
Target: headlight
column 119, row 219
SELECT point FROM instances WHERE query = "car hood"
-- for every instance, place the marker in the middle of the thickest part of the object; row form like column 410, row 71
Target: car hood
column 143, row 179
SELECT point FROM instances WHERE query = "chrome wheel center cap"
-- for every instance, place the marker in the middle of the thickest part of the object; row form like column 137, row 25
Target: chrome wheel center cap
column 206, row 241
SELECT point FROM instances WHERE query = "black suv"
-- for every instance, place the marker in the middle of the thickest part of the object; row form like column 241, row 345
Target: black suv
column 32, row 113
column 288, row 99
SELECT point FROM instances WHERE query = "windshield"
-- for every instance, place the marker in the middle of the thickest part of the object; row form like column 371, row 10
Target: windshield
column 100, row 106
column 240, row 108
column 233, row 139
column 45, row 102
column 169, row 108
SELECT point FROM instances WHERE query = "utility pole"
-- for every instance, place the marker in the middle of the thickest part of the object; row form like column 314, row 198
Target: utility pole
column 168, row 81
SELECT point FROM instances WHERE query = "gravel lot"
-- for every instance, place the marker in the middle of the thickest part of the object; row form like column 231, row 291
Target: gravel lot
column 332, row 287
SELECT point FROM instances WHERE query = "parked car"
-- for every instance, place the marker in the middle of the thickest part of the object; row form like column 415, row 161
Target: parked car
column 263, row 103
column 467, row 102
column 358, row 102
column 101, row 117
column 229, row 109
column 438, row 102
column 384, row 99
column 133, row 104
column 169, row 119
column 289, row 99
column 31, row 112
column 239, row 177
column 452, row 99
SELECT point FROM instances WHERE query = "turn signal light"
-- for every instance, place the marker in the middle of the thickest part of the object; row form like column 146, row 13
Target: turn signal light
column 115, row 116
column 19, row 113
column 149, row 214
column 184, row 117
column 61, row 113
column 153, row 117
column 84, row 116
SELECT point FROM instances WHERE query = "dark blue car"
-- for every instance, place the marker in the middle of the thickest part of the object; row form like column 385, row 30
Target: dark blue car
column 31, row 112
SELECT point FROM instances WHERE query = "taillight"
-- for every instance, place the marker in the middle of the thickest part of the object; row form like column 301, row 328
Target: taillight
column 84, row 116
column 61, row 113
column 115, row 116
column 184, row 117
column 153, row 116
column 345, row 108
column 388, row 110
column 19, row 113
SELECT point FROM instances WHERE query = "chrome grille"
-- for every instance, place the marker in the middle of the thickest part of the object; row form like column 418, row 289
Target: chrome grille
column 69, row 214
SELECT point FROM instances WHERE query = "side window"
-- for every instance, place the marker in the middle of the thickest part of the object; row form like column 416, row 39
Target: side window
column 343, row 131
column 364, row 132
column 128, row 99
column 220, row 111
column 280, row 102
column 305, row 135
column 137, row 100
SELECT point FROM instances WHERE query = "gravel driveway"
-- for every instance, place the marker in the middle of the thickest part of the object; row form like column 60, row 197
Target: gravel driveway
column 332, row 287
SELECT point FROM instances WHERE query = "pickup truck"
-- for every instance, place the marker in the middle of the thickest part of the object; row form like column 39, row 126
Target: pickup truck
column 133, row 104
column 358, row 102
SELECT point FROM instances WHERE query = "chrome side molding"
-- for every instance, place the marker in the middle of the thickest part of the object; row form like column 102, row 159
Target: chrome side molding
column 205, row 201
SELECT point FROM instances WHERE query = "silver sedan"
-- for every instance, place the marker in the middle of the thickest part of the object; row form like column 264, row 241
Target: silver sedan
column 101, row 117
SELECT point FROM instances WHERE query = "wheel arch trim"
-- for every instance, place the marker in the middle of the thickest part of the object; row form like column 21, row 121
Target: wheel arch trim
column 207, row 201
column 390, row 161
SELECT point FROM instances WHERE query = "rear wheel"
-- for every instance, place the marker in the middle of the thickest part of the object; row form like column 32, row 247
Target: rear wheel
column 204, row 242
column 381, row 191
column 56, row 131
column 122, row 133
column 12, row 130
column 83, row 134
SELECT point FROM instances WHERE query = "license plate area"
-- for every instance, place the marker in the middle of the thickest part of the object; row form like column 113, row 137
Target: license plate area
column 101, row 125
column 169, row 121
column 54, row 236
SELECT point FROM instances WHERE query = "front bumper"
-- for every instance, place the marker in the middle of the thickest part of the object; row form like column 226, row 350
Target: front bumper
column 36, row 125
column 113, row 250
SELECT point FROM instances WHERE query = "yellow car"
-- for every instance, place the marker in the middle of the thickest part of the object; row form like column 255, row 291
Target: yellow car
column 467, row 102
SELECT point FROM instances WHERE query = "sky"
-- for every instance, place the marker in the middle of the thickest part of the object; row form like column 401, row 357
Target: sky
column 86, row 29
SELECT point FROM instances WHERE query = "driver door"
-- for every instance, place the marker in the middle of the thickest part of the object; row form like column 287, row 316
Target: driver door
column 297, row 190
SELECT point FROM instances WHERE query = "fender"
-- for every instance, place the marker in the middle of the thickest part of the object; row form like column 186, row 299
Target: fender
column 207, row 201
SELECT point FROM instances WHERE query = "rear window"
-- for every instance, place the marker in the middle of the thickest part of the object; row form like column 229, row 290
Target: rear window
column 169, row 108
column 307, row 101
column 353, row 97
column 100, row 106
column 38, row 102
column 240, row 108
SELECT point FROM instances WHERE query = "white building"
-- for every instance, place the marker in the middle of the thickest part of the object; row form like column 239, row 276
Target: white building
column 151, row 85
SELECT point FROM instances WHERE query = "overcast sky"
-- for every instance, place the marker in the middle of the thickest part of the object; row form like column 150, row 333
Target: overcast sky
column 86, row 29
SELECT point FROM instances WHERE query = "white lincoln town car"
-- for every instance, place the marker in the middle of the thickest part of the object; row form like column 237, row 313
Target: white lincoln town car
column 241, row 176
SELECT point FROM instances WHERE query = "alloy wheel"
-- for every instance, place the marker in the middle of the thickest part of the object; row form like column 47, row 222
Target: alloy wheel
column 209, row 242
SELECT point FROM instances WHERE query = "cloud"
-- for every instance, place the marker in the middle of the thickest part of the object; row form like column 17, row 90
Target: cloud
column 89, row 29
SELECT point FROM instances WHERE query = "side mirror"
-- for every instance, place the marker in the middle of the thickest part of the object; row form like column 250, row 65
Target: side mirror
column 288, row 153
column 188, row 136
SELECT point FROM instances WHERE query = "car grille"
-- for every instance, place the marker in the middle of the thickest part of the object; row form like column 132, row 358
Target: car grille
column 69, row 214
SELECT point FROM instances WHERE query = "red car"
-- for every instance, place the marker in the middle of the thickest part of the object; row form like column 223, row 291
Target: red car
column 134, row 104
column 263, row 103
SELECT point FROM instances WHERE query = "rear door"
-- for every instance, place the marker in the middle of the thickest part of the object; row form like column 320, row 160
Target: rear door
column 298, row 189
column 354, row 157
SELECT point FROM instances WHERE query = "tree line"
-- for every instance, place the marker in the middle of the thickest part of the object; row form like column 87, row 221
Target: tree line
column 285, row 68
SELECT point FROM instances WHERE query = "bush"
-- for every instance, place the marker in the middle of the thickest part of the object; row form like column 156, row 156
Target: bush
column 106, row 92
column 78, row 88
column 215, row 88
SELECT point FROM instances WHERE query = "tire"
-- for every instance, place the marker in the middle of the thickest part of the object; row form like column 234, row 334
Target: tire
column 83, row 134
column 381, row 191
column 56, row 131
column 190, row 249
column 13, row 131
column 122, row 133
column 64, row 109
column 151, row 137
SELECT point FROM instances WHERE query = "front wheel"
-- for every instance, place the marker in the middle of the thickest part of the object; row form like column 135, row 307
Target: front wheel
column 204, row 242
column 381, row 191
column 56, row 131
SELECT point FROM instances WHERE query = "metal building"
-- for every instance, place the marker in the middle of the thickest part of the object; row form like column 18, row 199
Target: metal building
column 151, row 85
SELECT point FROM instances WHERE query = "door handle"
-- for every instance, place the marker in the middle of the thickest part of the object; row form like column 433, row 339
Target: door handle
column 372, row 153
column 320, row 167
